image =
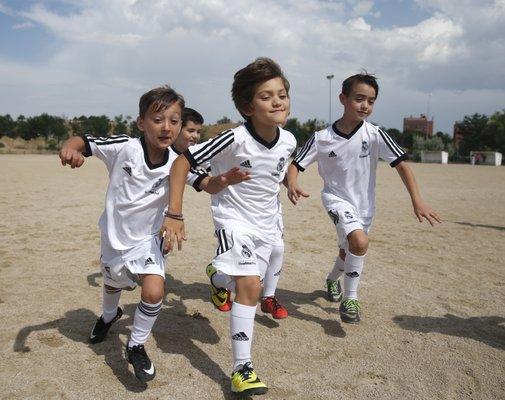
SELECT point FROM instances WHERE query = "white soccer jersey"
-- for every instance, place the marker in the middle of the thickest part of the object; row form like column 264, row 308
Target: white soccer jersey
column 348, row 163
column 137, row 193
column 250, row 205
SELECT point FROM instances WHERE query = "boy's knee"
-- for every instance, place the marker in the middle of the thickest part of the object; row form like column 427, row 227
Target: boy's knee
column 358, row 242
column 153, row 289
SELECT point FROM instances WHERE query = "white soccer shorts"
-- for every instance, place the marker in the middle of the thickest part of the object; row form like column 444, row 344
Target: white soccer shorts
column 346, row 219
column 122, row 271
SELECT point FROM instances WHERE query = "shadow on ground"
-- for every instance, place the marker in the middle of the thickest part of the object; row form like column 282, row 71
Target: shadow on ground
column 488, row 330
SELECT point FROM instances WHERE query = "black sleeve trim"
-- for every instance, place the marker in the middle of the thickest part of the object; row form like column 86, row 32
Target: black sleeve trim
column 196, row 183
column 403, row 157
column 87, row 152
column 298, row 166
column 190, row 158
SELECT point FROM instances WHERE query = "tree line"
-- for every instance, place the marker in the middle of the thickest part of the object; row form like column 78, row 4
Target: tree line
column 478, row 131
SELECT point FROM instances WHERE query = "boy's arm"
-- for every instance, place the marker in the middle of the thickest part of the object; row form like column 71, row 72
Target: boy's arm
column 294, row 191
column 172, row 228
column 71, row 152
column 421, row 209
column 214, row 184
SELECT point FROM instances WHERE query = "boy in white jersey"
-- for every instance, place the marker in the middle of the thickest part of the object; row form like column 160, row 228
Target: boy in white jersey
column 347, row 154
column 131, row 250
column 245, row 215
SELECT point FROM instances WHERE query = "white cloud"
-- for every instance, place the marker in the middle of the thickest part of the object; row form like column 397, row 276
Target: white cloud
column 23, row 25
column 114, row 50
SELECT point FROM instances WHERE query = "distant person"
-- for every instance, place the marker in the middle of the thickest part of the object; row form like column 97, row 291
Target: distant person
column 347, row 154
column 245, row 215
column 131, row 248
column 472, row 159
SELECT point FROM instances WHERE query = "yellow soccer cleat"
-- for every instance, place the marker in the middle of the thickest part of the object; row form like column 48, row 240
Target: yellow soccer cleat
column 220, row 297
column 245, row 382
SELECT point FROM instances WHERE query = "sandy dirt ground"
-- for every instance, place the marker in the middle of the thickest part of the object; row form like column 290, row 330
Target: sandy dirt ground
column 433, row 298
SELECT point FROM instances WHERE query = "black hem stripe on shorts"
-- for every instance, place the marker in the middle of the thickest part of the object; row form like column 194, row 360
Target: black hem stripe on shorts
column 403, row 157
column 250, row 128
column 341, row 134
column 146, row 156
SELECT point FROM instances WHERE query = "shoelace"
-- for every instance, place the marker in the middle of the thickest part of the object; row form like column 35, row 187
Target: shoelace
column 332, row 286
column 276, row 303
column 352, row 305
column 246, row 370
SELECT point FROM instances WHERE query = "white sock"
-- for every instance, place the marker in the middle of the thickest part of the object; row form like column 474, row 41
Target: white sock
column 353, row 267
column 338, row 269
column 273, row 272
column 110, row 301
column 145, row 316
column 222, row 280
column 241, row 332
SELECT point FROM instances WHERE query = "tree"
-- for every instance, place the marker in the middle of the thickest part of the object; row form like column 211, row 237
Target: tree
column 120, row 125
column 7, row 125
column 426, row 144
column 472, row 128
column 224, row 120
column 134, row 129
column 97, row 126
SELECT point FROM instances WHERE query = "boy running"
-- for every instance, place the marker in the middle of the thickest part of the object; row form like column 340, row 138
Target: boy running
column 245, row 215
column 347, row 154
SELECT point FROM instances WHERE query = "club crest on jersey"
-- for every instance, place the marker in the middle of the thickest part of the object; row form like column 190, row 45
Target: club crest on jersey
column 348, row 214
column 155, row 187
column 364, row 149
column 280, row 166
column 246, row 253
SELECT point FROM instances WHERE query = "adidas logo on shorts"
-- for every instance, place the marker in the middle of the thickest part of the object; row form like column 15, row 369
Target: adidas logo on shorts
column 332, row 154
column 128, row 170
column 246, row 164
column 240, row 336
column 149, row 261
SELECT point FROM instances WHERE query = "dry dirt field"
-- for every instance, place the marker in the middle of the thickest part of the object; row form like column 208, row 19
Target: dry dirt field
column 433, row 298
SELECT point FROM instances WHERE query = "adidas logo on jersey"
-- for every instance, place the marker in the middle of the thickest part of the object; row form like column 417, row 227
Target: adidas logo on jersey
column 241, row 336
column 246, row 164
column 128, row 170
column 332, row 154
column 278, row 273
column 149, row 261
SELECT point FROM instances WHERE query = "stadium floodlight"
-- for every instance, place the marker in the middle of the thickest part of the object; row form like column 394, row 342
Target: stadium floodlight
column 330, row 77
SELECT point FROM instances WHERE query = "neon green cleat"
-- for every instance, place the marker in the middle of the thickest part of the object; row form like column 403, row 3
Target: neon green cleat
column 245, row 382
column 220, row 297
column 349, row 311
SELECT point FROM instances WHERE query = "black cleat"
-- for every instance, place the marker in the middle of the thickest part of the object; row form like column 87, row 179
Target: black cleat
column 142, row 365
column 101, row 328
column 333, row 290
column 349, row 311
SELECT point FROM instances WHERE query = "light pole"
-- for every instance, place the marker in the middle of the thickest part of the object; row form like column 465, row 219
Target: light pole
column 329, row 77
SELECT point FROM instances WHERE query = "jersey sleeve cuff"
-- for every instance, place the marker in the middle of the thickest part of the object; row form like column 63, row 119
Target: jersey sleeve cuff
column 190, row 158
column 403, row 157
column 298, row 166
column 87, row 151
column 196, row 183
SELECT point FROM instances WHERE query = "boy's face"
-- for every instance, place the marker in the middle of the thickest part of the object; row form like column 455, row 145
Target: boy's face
column 161, row 128
column 270, row 104
column 359, row 104
column 190, row 135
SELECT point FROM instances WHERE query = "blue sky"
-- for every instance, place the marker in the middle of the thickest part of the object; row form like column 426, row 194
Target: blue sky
column 70, row 57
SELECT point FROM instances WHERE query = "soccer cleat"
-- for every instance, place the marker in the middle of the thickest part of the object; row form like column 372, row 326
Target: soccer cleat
column 333, row 290
column 272, row 306
column 142, row 365
column 349, row 311
column 245, row 382
column 101, row 328
column 220, row 297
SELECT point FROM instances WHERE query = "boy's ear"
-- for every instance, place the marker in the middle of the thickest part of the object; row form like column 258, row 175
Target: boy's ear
column 140, row 124
column 342, row 97
column 247, row 110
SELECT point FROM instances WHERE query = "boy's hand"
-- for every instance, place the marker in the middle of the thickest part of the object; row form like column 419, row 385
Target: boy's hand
column 172, row 231
column 232, row 177
column 294, row 193
column 71, row 157
column 423, row 210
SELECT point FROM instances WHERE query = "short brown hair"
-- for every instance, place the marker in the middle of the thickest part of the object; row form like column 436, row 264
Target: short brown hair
column 248, row 78
column 159, row 99
column 364, row 77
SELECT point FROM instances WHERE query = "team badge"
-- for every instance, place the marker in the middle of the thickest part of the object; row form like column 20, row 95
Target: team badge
column 281, row 164
column 364, row 149
column 246, row 253
column 155, row 187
